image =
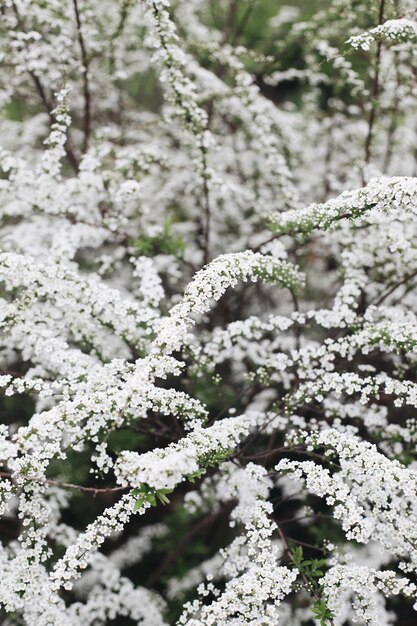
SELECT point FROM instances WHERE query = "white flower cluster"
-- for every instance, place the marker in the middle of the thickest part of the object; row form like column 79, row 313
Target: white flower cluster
column 365, row 585
column 401, row 30
column 212, row 281
column 256, row 585
column 378, row 195
column 165, row 468
column 372, row 495
column 208, row 313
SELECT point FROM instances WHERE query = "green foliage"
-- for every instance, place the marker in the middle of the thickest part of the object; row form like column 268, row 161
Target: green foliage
column 165, row 242
column 322, row 612
column 124, row 439
column 147, row 494
column 312, row 570
column 211, row 459
column 195, row 475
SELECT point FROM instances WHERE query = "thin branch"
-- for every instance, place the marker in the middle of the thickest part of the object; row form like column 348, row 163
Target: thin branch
column 290, row 556
column 387, row 293
column 207, row 211
column 58, row 483
column 269, row 240
column 47, row 103
column 265, row 455
column 86, row 79
column 297, row 327
column 307, row 582
column 375, row 90
column 202, row 523
column 393, row 117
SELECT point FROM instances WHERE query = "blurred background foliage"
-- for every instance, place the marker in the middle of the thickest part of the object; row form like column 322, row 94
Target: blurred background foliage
column 248, row 23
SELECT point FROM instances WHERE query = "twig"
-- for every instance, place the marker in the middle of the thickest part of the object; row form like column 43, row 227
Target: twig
column 268, row 453
column 58, row 483
column 288, row 552
column 297, row 327
column 86, row 79
column 375, row 90
column 387, row 293
column 48, row 105
column 307, row 582
column 181, row 546
column 207, row 211
column 394, row 117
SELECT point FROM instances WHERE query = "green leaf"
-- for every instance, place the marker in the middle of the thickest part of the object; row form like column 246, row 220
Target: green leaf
column 194, row 475
column 322, row 612
column 297, row 554
column 148, row 494
column 161, row 494
column 138, row 504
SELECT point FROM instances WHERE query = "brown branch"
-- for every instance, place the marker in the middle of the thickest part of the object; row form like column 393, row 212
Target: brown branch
column 207, row 211
column 307, row 582
column 268, row 453
column 394, row 113
column 182, row 545
column 297, row 327
column 375, row 90
column 58, row 483
column 327, row 163
column 387, row 293
column 300, row 231
column 86, row 79
column 269, row 240
column 47, row 103
column 291, row 520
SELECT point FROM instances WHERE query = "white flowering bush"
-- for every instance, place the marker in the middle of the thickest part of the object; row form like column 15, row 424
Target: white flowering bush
column 208, row 274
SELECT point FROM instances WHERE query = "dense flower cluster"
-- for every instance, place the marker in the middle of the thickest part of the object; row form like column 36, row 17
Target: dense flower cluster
column 391, row 30
column 208, row 273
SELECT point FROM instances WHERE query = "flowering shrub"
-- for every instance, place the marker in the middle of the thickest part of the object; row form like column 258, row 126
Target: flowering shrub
column 208, row 273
